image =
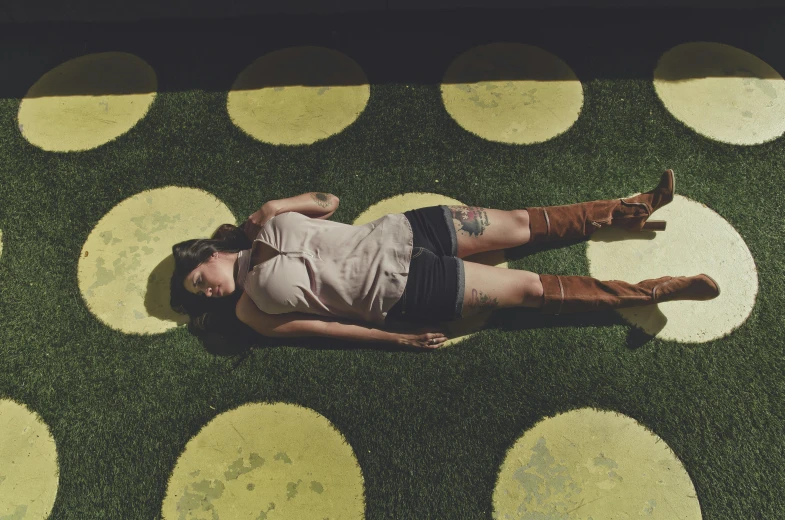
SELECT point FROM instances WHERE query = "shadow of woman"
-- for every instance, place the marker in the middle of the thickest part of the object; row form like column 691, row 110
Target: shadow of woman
column 156, row 298
column 230, row 337
column 520, row 319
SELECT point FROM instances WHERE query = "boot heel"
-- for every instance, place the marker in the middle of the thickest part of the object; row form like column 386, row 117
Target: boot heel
column 654, row 225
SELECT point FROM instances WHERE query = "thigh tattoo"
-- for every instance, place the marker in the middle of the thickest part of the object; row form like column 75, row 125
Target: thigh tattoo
column 480, row 301
column 473, row 219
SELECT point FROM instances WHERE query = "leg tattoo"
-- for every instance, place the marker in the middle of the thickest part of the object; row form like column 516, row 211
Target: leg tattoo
column 480, row 302
column 473, row 219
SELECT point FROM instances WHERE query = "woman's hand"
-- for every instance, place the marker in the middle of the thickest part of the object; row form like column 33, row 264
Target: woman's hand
column 422, row 338
column 253, row 224
column 265, row 213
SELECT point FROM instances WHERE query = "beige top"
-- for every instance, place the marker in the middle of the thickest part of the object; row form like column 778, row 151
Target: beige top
column 329, row 268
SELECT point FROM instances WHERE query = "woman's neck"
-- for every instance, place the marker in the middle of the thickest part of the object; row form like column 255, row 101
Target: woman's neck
column 236, row 265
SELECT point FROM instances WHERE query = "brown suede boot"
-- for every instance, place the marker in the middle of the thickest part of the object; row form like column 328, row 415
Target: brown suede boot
column 581, row 220
column 566, row 294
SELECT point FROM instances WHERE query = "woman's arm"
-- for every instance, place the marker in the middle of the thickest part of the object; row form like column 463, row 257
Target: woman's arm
column 312, row 204
column 296, row 324
column 358, row 332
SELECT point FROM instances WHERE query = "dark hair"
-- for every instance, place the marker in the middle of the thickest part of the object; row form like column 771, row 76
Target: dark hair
column 213, row 319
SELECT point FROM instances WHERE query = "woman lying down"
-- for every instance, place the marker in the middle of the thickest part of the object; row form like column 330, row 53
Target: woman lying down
column 288, row 271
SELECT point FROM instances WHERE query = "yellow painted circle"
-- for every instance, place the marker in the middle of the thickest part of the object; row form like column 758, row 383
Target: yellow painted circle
column 298, row 95
column 696, row 240
column 126, row 263
column 266, row 461
column 591, row 464
column 88, row 101
column 28, row 463
column 457, row 330
column 722, row 92
column 512, row 93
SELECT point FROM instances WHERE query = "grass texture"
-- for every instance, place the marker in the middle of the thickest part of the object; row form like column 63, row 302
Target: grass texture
column 429, row 429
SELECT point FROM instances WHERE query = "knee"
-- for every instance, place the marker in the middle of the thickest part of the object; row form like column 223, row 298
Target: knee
column 521, row 216
column 532, row 290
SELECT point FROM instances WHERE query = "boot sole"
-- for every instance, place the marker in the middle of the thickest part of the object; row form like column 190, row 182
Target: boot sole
column 654, row 225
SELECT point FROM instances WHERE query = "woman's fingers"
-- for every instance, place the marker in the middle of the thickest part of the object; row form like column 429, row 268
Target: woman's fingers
column 423, row 339
column 433, row 339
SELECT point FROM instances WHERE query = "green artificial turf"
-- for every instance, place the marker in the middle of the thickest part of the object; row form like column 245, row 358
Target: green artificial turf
column 429, row 429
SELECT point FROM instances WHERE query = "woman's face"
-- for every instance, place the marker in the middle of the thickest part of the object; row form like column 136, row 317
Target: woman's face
column 214, row 278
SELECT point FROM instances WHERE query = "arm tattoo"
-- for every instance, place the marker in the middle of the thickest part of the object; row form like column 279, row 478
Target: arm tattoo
column 473, row 219
column 322, row 199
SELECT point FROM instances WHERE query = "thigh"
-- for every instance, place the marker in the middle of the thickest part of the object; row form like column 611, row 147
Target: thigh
column 433, row 230
column 488, row 288
column 434, row 290
column 485, row 229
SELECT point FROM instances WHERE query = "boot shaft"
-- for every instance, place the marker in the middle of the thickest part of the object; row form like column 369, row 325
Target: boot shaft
column 580, row 220
column 569, row 294
column 573, row 221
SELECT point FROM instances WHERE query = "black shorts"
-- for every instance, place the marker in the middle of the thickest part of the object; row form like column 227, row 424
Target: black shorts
column 434, row 290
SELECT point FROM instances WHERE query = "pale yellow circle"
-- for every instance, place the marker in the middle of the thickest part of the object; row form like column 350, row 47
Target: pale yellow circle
column 697, row 240
column 722, row 92
column 266, row 461
column 457, row 330
column 29, row 473
column 512, row 93
column 298, row 95
column 588, row 464
column 126, row 262
column 87, row 101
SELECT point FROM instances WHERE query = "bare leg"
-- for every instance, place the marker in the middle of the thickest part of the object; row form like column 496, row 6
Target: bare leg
column 489, row 288
column 482, row 229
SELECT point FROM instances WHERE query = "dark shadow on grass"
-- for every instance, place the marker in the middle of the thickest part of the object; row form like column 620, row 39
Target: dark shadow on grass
column 607, row 234
column 392, row 47
column 649, row 321
column 237, row 340
column 521, row 318
column 637, row 337
column 524, row 319
column 241, row 341
column 516, row 253
column 156, row 298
